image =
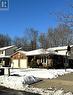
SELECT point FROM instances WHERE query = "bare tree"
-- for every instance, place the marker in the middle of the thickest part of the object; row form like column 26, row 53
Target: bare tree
column 28, row 41
column 22, row 43
column 5, row 40
column 50, row 37
column 60, row 36
column 42, row 40
column 32, row 37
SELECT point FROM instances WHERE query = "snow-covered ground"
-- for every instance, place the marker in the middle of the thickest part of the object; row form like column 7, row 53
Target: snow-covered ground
column 41, row 73
column 21, row 78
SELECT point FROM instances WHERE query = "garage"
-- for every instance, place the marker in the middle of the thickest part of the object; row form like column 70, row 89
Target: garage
column 19, row 60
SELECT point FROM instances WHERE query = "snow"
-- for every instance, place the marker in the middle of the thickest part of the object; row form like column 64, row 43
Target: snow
column 40, row 52
column 17, row 82
column 60, row 51
column 59, row 48
column 4, row 48
column 21, row 78
column 3, row 56
column 59, row 92
column 41, row 73
column 69, row 93
column 36, row 52
column 24, row 52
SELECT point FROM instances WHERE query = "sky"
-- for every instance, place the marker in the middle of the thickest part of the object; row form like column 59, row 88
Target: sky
column 37, row 14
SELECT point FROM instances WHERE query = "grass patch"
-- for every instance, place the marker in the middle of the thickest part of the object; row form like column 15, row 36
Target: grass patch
column 65, row 82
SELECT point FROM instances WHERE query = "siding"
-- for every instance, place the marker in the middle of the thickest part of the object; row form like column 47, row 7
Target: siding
column 2, row 52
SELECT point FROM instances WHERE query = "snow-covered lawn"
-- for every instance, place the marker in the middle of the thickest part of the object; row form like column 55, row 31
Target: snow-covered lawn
column 41, row 73
column 20, row 78
column 16, row 82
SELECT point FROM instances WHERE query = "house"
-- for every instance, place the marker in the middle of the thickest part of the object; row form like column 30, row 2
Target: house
column 22, row 59
column 5, row 53
column 52, row 57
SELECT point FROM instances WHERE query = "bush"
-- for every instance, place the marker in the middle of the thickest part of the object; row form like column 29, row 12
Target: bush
column 33, row 64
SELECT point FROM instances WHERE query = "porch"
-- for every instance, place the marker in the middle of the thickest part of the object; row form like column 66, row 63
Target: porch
column 46, row 61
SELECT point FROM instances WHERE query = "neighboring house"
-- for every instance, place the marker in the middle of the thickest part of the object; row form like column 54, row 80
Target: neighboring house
column 62, row 57
column 60, row 50
column 56, row 57
column 5, row 53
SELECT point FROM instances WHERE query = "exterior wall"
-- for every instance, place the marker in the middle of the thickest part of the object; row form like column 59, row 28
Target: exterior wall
column 3, row 60
column 2, row 52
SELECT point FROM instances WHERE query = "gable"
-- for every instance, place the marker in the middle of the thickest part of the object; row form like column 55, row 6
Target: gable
column 18, row 56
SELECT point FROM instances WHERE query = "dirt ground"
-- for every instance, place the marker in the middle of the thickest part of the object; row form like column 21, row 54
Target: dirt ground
column 65, row 82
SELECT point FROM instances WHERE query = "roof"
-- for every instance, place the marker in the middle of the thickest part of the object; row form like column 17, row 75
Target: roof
column 33, row 52
column 4, row 48
column 58, row 48
column 36, row 52
column 23, row 52
column 39, row 52
column 2, row 56
column 60, row 51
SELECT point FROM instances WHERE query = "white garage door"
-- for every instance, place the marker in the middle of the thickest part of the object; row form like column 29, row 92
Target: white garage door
column 15, row 63
column 23, row 63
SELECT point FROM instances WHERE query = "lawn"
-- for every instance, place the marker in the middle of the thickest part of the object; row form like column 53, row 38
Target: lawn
column 65, row 82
